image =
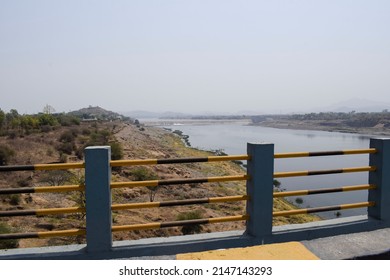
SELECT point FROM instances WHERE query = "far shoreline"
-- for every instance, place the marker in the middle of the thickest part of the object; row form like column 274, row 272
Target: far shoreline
column 279, row 124
column 367, row 131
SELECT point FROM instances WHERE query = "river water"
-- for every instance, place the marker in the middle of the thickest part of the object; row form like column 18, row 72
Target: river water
column 233, row 137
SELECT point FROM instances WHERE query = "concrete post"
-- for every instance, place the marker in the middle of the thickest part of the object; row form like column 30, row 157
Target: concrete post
column 381, row 178
column 260, row 189
column 98, row 198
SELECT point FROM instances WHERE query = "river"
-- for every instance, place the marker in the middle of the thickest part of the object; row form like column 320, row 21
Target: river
column 232, row 137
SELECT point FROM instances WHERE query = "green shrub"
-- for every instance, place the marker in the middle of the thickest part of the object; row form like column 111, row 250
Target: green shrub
column 277, row 184
column 46, row 128
column 116, row 151
column 7, row 243
column 143, row 174
column 5, row 154
column 67, row 137
column 14, row 199
column 47, row 120
column 299, row 200
column 193, row 215
column 63, row 158
column 80, row 153
column 67, row 120
column 66, row 148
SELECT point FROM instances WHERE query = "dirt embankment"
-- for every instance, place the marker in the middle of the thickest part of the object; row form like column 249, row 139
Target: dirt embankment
column 138, row 142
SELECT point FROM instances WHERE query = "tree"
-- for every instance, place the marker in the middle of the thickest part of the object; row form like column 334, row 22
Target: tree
column 57, row 177
column 28, row 122
column 46, row 119
column 144, row 174
column 48, row 110
column 2, row 118
column 12, row 119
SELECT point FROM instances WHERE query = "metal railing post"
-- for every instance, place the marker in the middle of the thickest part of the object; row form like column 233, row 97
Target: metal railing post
column 380, row 178
column 98, row 198
column 259, row 187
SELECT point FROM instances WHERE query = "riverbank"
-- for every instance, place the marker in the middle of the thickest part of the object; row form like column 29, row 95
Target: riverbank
column 320, row 125
column 156, row 142
column 137, row 142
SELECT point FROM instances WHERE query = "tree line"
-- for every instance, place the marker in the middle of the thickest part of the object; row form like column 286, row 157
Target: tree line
column 14, row 123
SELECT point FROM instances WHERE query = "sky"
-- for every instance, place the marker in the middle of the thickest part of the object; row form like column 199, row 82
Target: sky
column 220, row 56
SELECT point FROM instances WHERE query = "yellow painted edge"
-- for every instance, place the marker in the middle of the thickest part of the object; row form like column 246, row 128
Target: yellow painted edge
column 278, row 251
column 56, row 166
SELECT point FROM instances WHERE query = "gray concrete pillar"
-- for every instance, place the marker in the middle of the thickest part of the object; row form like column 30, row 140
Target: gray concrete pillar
column 381, row 178
column 98, row 198
column 260, row 189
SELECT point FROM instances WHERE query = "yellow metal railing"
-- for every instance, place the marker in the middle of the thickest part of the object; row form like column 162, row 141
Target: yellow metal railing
column 323, row 209
column 155, row 183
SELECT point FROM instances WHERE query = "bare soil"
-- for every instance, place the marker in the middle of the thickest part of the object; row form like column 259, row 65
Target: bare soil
column 138, row 142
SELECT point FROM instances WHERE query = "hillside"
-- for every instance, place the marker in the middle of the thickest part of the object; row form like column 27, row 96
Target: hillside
column 98, row 113
column 130, row 141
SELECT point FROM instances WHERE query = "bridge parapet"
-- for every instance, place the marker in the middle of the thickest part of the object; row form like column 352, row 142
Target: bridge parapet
column 259, row 208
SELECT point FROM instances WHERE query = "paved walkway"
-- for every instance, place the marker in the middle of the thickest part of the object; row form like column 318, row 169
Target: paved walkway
column 365, row 245
column 279, row 251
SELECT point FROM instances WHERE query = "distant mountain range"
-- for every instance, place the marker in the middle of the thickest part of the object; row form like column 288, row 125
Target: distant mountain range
column 178, row 115
column 355, row 104
column 154, row 115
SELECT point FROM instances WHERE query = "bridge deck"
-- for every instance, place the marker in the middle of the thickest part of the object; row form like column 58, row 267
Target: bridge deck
column 363, row 245
column 278, row 251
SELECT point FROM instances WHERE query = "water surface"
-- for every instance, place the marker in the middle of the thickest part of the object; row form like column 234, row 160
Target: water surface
column 232, row 138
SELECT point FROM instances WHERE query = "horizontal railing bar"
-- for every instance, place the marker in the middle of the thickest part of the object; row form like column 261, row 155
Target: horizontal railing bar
column 323, row 209
column 78, row 165
column 49, row 166
column 155, row 183
column 235, row 157
column 43, row 189
column 45, row 234
column 177, row 160
column 42, row 212
column 59, row 166
column 325, row 153
column 323, row 172
column 178, row 202
column 325, row 190
column 180, row 223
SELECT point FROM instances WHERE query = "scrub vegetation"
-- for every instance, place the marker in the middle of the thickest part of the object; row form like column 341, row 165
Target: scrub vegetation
column 50, row 138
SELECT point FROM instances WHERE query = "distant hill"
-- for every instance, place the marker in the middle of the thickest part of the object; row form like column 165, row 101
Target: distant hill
column 358, row 105
column 156, row 115
column 96, row 112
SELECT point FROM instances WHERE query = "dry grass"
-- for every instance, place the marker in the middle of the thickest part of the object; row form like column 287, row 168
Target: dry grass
column 137, row 144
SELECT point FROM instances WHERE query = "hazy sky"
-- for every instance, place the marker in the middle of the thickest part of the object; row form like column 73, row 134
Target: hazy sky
column 192, row 56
